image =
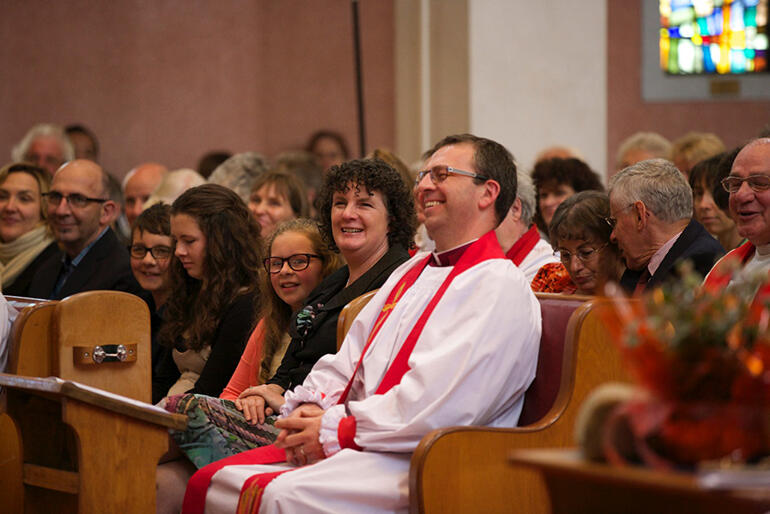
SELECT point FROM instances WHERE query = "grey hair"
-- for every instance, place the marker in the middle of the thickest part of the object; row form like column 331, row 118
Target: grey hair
column 651, row 142
column 657, row 183
column 525, row 191
column 19, row 152
column 239, row 173
column 173, row 184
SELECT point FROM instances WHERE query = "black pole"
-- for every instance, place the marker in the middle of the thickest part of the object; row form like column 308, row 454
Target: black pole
column 359, row 79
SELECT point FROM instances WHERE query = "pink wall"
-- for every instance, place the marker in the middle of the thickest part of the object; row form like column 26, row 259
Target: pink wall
column 170, row 80
column 733, row 121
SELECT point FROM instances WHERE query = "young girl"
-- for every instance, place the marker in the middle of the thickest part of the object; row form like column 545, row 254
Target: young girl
column 151, row 252
column 214, row 287
column 298, row 262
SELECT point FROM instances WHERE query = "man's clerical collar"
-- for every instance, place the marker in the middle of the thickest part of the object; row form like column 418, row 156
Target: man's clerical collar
column 450, row 257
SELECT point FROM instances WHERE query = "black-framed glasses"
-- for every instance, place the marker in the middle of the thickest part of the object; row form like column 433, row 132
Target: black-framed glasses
column 757, row 183
column 441, row 172
column 74, row 200
column 159, row 252
column 584, row 254
column 297, row 262
column 612, row 220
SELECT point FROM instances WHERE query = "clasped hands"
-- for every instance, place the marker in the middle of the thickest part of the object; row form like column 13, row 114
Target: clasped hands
column 299, row 435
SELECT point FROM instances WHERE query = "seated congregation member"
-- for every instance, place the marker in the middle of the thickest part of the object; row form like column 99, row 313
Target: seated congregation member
column 25, row 240
column 368, row 216
column 694, row 147
column 214, row 287
column 173, row 184
column 704, row 177
column 92, row 257
column 749, row 187
column 298, row 260
column 277, row 197
column 46, row 146
column 138, row 185
column 239, row 172
column 518, row 236
column 651, row 216
column 151, row 251
column 641, row 146
column 446, row 349
column 329, row 148
column 555, row 181
column 580, row 235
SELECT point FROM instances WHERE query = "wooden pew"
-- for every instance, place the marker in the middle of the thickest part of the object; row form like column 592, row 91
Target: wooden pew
column 466, row 469
column 349, row 313
column 65, row 434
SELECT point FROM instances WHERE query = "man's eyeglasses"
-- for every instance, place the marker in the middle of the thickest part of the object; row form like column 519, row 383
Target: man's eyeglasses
column 74, row 200
column 612, row 220
column 584, row 254
column 297, row 262
column 440, row 173
column 757, row 183
column 159, row 253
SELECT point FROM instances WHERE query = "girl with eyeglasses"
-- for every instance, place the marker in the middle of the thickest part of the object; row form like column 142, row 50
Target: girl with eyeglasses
column 298, row 261
column 580, row 236
column 151, row 251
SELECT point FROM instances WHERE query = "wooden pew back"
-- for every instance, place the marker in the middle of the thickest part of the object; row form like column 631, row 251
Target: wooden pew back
column 466, row 469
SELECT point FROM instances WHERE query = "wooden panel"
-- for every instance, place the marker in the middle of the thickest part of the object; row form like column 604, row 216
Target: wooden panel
column 51, row 478
column 100, row 318
column 349, row 313
column 575, row 485
column 465, row 469
column 121, row 450
column 30, row 351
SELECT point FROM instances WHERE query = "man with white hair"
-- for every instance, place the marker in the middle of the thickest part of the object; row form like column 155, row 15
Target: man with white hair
column 44, row 145
column 518, row 236
column 651, row 216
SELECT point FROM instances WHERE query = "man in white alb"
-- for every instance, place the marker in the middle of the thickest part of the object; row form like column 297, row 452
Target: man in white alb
column 450, row 339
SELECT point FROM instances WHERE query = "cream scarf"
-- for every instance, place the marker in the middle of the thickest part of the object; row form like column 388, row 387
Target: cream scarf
column 16, row 255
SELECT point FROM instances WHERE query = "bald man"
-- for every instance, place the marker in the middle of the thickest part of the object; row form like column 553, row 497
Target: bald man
column 91, row 256
column 139, row 185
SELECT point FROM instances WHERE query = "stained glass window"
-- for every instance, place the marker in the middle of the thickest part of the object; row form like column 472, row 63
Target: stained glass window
column 713, row 36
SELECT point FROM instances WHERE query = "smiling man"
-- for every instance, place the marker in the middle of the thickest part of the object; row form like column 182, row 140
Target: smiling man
column 439, row 345
column 79, row 212
column 749, row 187
column 651, row 215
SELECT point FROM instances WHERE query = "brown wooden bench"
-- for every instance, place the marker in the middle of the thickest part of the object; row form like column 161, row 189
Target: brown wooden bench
column 84, row 449
column 466, row 469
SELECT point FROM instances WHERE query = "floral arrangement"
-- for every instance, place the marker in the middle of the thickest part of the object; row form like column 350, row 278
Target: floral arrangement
column 704, row 359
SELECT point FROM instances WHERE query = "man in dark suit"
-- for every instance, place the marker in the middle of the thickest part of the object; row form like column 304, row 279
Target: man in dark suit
column 91, row 257
column 651, row 214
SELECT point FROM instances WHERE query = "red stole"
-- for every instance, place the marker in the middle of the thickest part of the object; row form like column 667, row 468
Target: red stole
column 486, row 247
column 523, row 245
column 722, row 272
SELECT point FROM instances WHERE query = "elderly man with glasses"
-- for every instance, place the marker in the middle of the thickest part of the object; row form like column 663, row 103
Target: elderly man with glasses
column 749, row 187
column 91, row 257
column 651, row 215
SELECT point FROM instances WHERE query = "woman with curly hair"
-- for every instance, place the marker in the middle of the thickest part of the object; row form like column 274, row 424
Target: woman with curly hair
column 555, row 181
column 214, row 287
column 367, row 214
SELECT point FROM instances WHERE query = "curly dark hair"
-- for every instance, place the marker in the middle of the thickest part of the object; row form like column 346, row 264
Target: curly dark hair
column 492, row 160
column 231, row 266
column 374, row 175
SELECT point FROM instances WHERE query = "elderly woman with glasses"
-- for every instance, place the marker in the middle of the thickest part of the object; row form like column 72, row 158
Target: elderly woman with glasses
column 580, row 235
